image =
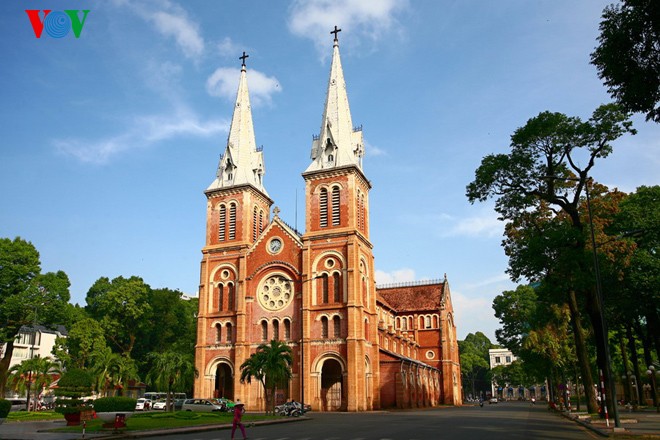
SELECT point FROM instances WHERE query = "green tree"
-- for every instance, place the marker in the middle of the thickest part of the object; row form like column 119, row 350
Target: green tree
column 26, row 296
column 85, row 338
column 171, row 371
column 475, row 366
column 628, row 57
column 121, row 306
column 271, row 366
column 541, row 175
column 35, row 373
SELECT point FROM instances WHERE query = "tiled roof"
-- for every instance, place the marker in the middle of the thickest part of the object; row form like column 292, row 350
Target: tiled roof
column 414, row 297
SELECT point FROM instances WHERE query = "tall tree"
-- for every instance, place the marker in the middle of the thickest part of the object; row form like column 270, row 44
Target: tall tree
column 628, row 57
column 121, row 306
column 33, row 375
column 271, row 366
column 544, row 171
column 475, row 367
column 26, row 296
column 171, row 371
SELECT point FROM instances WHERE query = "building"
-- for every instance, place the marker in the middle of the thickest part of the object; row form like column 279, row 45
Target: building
column 32, row 342
column 500, row 357
column 356, row 347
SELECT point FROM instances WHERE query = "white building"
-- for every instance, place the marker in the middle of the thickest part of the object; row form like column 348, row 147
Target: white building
column 32, row 342
column 499, row 357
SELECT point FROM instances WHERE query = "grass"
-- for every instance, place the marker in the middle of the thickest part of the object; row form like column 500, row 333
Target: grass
column 167, row 420
column 33, row 416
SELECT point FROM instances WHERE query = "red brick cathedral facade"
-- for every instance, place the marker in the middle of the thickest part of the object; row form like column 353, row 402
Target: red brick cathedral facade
column 356, row 347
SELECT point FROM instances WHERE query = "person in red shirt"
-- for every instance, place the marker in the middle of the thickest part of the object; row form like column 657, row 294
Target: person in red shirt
column 239, row 409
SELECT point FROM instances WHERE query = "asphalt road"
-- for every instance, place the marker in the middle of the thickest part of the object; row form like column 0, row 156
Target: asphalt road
column 506, row 420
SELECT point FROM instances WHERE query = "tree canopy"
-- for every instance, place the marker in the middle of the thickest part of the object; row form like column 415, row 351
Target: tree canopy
column 628, row 55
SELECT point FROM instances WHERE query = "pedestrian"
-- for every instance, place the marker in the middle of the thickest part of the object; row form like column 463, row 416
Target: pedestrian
column 239, row 409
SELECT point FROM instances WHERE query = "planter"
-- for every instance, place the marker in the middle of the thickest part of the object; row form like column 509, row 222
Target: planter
column 74, row 418
column 115, row 419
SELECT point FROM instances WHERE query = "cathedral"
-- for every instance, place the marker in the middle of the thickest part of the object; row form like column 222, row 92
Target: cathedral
column 356, row 346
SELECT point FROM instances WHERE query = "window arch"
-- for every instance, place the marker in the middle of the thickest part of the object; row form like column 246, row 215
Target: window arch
column 230, row 297
column 323, row 208
column 232, row 221
column 229, row 333
column 336, row 287
column 335, row 206
column 324, row 286
column 264, row 331
column 218, row 332
column 222, row 219
column 324, row 327
column 287, row 329
column 336, row 324
column 276, row 330
column 221, row 297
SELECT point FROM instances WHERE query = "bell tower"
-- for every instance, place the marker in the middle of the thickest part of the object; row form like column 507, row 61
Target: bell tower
column 237, row 212
column 339, row 302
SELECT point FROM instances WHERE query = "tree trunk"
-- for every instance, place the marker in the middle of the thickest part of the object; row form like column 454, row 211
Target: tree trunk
column 4, row 365
column 581, row 352
column 635, row 364
column 626, row 369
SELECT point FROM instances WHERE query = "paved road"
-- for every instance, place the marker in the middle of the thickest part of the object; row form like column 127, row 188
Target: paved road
column 510, row 421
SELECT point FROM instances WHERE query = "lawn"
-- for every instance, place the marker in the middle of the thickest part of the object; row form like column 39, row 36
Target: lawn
column 162, row 420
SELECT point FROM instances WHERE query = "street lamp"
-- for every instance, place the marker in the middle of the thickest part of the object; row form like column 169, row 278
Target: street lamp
column 601, row 341
column 654, row 389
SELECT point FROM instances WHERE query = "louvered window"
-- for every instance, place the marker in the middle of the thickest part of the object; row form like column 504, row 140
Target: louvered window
column 232, row 221
column 335, row 206
column 230, row 297
column 336, row 323
column 254, row 224
column 218, row 333
column 287, row 329
column 323, row 208
column 324, row 282
column 261, row 222
column 276, row 330
column 222, row 218
column 264, row 331
column 336, row 284
column 324, row 327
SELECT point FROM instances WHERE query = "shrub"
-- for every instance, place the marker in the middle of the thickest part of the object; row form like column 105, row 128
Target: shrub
column 114, row 404
column 5, row 407
column 74, row 383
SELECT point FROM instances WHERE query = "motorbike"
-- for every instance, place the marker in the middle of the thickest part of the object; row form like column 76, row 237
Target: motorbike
column 291, row 409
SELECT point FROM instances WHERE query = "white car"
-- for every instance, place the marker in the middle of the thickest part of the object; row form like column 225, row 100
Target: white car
column 159, row 405
column 142, row 404
column 201, row 405
column 492, row 400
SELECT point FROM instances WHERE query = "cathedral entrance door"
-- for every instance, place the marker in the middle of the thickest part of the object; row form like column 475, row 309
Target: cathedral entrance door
column 331, row 385
column 224, row 385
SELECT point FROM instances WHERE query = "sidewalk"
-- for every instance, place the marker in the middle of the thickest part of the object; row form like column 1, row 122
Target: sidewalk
column 643, row 422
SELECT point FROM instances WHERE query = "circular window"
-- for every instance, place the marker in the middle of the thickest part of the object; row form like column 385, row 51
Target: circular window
column 329, row 263
column 225, row 274
column 430, row 354
column 275, row 293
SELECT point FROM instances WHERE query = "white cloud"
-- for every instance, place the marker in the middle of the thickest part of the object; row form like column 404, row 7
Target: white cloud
column 486, row 225
column 227, row 47
column 146, row 131
column 224, row 83
column 172, row 21
column 315, row 19
column 373, row 150
column 396, row 276
column 474, row 314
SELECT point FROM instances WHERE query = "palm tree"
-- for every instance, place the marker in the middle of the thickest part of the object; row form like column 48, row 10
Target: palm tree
column 104, row 363
column 36, row 370
column 271, row 366
column 171, row 370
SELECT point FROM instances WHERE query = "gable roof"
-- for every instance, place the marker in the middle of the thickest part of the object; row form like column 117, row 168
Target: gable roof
column 417, row 296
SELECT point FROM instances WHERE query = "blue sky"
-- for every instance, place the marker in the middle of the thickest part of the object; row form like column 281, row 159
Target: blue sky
column 110, row 139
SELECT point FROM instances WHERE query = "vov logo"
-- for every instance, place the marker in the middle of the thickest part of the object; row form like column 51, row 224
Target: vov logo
column 57, row 23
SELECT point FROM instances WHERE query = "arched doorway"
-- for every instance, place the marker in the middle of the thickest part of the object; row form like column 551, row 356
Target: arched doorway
column 332, row 386
column 224, row 383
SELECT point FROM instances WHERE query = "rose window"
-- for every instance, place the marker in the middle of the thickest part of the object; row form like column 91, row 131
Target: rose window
column 275, row 293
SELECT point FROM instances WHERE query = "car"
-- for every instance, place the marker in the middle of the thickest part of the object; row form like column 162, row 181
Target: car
column 159, row 405
column 227, row 404
column 201, row 405
column 492, row 400
column 142, row 404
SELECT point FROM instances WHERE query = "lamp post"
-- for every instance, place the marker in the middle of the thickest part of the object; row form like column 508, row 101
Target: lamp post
column 654, row 389
column 601, row 342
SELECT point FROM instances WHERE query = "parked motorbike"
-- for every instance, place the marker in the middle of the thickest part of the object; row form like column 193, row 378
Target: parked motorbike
column 291, row 409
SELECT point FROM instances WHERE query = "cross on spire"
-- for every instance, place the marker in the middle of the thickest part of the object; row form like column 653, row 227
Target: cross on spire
column 336, row 31
column 244, row 57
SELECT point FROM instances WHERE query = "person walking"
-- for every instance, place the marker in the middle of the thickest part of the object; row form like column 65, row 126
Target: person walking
column 239, row 409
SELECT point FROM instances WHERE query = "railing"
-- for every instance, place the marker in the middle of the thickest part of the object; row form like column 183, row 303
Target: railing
column 409, row 284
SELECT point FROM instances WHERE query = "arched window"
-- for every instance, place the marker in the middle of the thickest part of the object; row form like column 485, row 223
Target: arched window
column 218, row 333
column 222, row 219
column 261, row 221
column 324, row 327
column 324, row 282
column 229, row 333
column 264, row 331
column 276, row 330
column 428, row 322
column 404, row 324
column 335, row 206
column 287, row 329
column 232, row 221
column 336, row 324
column 323, row 208
column 221, row 296
column 254, row 224
column 336, row 284
column 230, row 297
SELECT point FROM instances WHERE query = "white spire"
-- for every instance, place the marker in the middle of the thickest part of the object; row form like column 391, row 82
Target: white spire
column 338, row 144
column 241, row 163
